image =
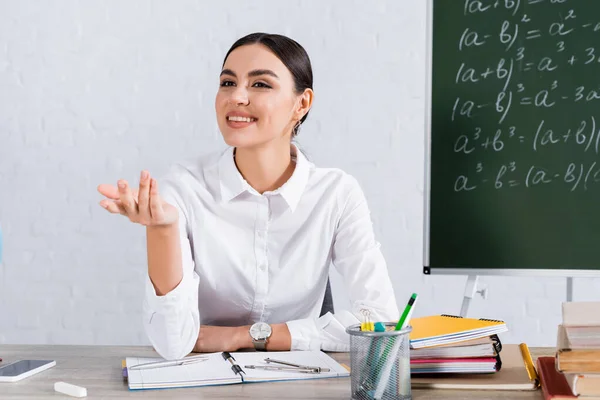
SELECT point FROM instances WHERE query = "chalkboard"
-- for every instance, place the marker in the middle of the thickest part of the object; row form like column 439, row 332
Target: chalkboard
column 514, row 137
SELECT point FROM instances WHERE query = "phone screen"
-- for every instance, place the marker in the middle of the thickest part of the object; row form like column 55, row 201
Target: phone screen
column 20, row 367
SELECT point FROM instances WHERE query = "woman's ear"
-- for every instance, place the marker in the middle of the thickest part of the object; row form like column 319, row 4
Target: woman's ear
column 304, row 103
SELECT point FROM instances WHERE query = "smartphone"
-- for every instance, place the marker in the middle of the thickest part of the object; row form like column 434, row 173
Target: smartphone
column 23, row 368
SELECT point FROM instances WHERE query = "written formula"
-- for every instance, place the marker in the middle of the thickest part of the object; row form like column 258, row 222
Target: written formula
column 585, row 135
column 572, row 177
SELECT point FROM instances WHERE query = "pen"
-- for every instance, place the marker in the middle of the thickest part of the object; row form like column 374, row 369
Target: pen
column 394, row 345
column 533, row 376
column 405, row 318
column 160, row 364
column 234, row 366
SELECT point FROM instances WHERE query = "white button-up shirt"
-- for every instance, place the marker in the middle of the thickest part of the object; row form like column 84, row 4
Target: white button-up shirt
column 251, row 257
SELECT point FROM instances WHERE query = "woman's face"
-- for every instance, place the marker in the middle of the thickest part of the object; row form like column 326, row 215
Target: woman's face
column 256, row 102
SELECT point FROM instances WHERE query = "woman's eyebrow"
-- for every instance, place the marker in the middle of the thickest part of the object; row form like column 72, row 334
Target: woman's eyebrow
column 228, row 72
column 258, row 72
column 253, row 73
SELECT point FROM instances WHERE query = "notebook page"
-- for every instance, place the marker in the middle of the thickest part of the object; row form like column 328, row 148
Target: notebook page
column 312, row 358
column 213, row 371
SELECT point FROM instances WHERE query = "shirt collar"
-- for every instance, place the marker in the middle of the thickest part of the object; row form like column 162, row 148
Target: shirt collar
column 230, row 180
column 292, row 190
column 232, row 183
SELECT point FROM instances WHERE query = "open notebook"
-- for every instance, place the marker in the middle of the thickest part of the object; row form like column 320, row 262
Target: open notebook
column 217, row 371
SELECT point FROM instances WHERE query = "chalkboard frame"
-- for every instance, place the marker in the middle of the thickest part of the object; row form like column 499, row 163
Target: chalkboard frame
column 441, row 270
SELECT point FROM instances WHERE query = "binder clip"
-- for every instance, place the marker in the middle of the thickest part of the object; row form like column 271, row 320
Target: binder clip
column 367, row 325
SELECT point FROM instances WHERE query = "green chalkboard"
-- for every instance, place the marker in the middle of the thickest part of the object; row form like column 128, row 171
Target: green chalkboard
column 514, row 141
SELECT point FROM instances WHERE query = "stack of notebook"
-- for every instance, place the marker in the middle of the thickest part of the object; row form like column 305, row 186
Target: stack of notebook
column 450, row 344
column 575, row 371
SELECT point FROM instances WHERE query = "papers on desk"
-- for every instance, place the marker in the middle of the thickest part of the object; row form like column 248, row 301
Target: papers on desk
column 217, row 371
column 482, row 347
column 476, row 365
column 512, row 376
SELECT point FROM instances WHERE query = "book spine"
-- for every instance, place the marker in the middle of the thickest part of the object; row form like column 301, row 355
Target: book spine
column 553, row 382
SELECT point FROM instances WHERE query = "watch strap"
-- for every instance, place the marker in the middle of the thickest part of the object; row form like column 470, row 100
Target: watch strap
column 260, row 344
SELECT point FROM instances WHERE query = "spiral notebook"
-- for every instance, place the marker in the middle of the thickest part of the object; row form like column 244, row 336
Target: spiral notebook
column 444, row 329
column 217, row 371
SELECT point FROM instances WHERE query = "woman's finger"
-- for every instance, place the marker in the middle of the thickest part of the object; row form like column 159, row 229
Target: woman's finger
column 112, row 207
column 144, row 197
column 109, row 191
column 156, row 209
column 126, row 199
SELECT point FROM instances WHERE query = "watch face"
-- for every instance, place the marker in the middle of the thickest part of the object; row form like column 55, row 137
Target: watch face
column 260, row 330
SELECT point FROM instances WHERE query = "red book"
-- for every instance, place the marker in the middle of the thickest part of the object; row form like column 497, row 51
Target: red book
column 554, row 384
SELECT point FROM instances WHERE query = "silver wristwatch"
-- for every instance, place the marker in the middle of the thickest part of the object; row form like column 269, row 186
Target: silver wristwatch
column 260, row 333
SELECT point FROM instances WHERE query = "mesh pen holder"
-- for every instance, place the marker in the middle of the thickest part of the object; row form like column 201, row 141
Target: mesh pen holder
column 380, row 363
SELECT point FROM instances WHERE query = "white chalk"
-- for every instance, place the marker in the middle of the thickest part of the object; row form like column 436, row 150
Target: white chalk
column 71, row 390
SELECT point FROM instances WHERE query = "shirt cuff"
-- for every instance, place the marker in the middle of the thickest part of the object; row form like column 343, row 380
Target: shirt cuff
column 326, row 333
column 302, row 331
column 175, row 300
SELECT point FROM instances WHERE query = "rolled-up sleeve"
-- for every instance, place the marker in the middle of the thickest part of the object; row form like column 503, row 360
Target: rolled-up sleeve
column 357, row 256
column 172, row 321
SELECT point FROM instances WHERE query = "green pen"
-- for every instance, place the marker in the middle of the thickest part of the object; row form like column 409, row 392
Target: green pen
column 405, row 318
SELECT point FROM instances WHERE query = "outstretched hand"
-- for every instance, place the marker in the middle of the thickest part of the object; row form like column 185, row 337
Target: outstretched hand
column 143, row 206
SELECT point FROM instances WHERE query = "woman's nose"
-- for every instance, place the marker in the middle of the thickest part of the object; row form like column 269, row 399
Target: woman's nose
column 239, row 96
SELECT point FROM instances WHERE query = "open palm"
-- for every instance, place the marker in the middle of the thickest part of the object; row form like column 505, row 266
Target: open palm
column 143, row 206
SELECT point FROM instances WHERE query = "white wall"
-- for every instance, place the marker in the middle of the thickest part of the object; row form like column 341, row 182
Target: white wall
column 93, row 91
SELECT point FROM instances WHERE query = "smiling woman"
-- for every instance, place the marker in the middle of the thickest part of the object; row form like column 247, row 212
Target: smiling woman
column 242, row 240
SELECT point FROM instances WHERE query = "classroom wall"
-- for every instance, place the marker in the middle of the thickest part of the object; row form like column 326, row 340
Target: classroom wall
column 94, row 91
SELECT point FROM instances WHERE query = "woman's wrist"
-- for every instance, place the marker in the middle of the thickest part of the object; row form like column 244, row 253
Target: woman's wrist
column 242, row 337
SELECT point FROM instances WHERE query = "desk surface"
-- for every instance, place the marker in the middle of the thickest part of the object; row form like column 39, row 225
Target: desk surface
column 98, row 368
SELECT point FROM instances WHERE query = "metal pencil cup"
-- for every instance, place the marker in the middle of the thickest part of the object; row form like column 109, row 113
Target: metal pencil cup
column 380, row 363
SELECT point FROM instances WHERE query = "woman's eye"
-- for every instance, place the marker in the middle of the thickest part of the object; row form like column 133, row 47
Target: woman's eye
column 261, row 85
column 227, row 83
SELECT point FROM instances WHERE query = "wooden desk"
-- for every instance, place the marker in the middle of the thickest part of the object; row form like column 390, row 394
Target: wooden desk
column 98, row 368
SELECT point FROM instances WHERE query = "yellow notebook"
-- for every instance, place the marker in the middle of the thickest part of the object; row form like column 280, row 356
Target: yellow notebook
column 444, row 329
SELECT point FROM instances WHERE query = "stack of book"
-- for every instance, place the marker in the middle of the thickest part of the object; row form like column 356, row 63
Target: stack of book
column 575, row 371
column 455, row 345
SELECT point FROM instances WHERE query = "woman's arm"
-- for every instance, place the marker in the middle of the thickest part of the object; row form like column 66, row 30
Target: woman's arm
column 223, row 338
column 171, row 315
column 164, row 257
